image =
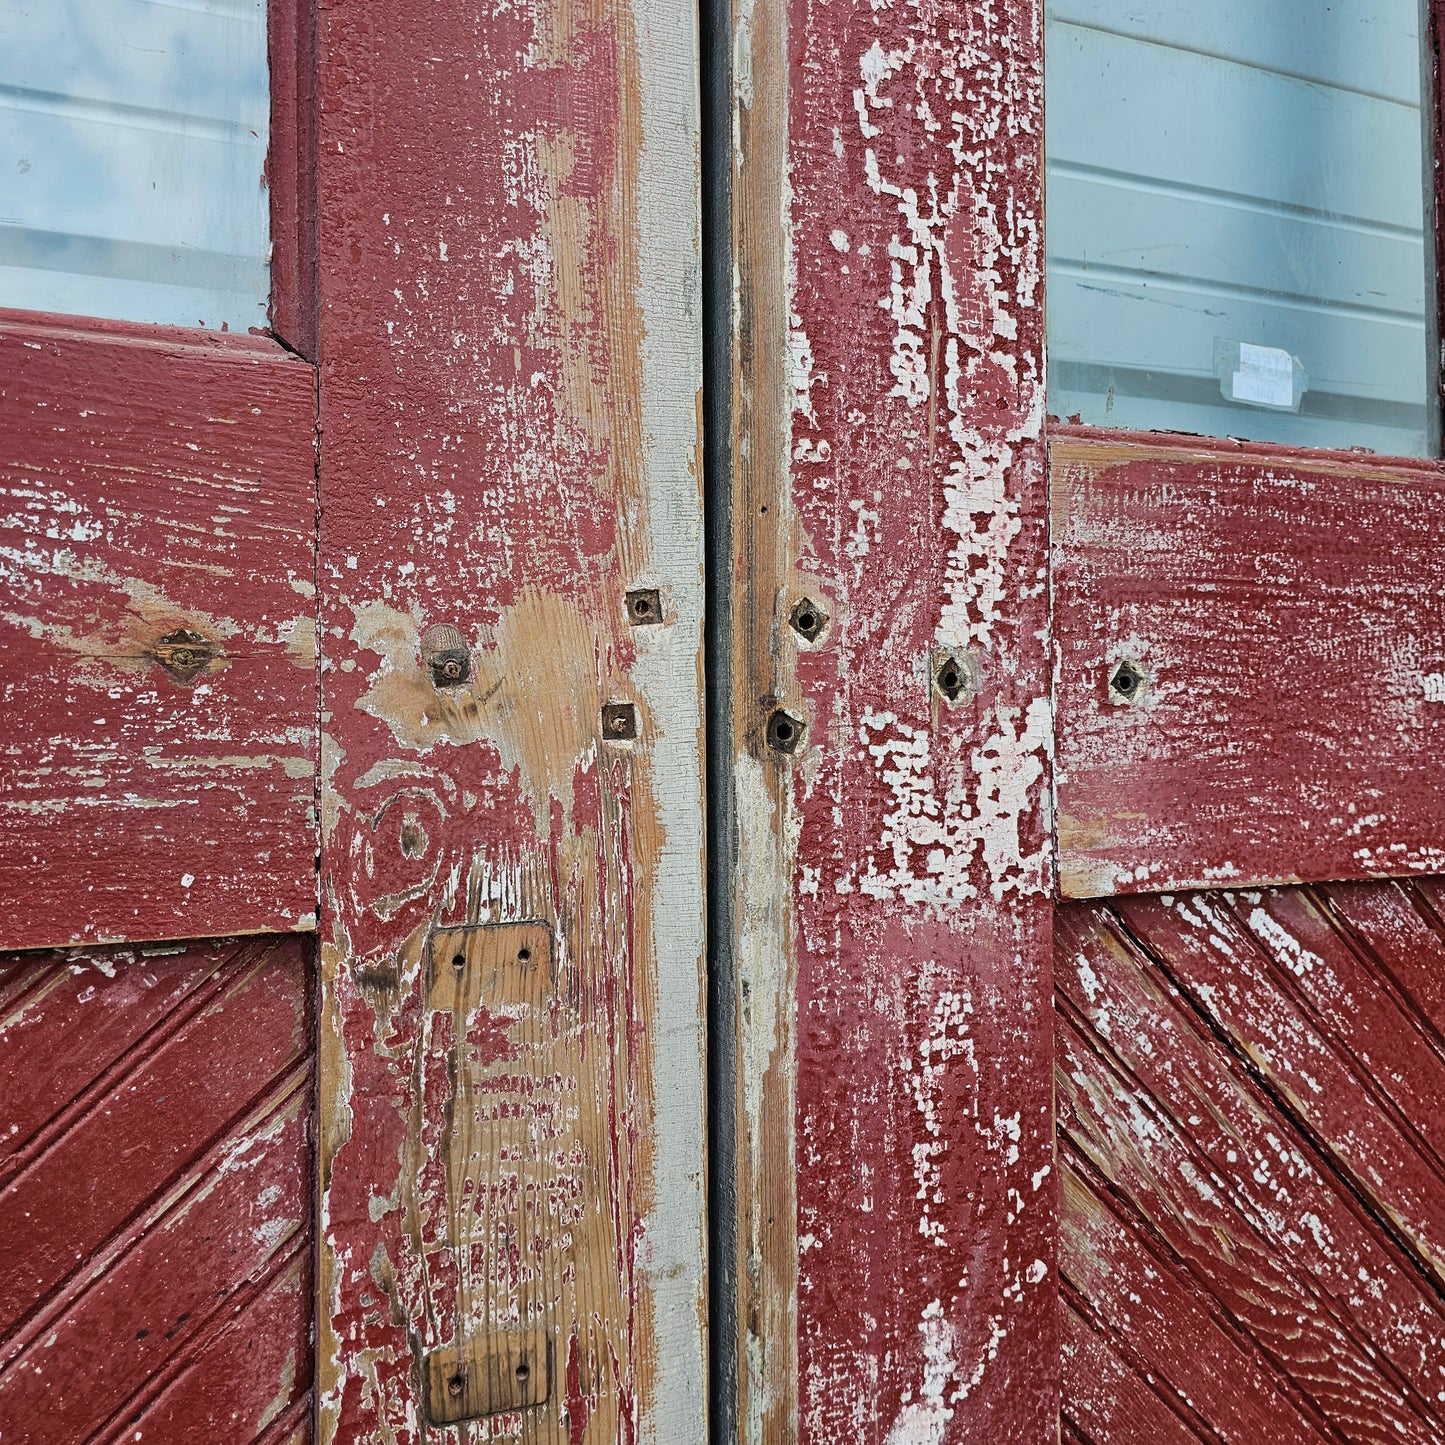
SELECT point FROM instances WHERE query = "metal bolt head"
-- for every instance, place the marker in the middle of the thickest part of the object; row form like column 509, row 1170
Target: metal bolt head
column 184, row 655
column 445, row 654
column 619, row 722
column 785, row 732
column 807, row 619
column 644, row 607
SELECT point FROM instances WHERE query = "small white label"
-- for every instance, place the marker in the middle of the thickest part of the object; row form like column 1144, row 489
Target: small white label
column 1262, row 390
column 1264, row 361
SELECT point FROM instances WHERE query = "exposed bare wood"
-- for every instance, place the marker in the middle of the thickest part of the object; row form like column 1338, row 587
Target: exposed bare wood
column 510, row 368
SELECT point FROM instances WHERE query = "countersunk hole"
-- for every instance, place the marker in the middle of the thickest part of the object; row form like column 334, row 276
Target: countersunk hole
column 523, row 1370
column 459, row 960
column 807, row 619
column 523, row 954
column 952, row 677
column 644, row 606
column 785, row 732
column 456, row 1384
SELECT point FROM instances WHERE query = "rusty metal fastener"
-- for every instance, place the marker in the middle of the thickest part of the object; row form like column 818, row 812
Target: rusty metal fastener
column 445, row 654
column 785, row 731
column 807, row 619
column 619, row 721
column 956, row 675
column 184, row 655
column 644, row 607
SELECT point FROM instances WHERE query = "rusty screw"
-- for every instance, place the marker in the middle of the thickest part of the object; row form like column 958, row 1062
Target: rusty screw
column 785, row 731
column 644, row 607
column 807, row 619
column 619, row 721
column 1127, row 681
column 444, row 652
column 184, row 655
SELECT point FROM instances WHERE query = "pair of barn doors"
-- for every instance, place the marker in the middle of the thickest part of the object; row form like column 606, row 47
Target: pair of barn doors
column 538, row 918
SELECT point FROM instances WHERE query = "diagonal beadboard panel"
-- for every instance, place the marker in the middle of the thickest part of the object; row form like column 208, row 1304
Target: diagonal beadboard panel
column 157, row 1243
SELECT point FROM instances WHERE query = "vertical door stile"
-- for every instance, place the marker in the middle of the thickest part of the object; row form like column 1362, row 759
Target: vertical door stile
column 512, row 1222
column 892, row 898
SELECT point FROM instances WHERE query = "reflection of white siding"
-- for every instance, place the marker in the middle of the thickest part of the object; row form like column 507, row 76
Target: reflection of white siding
column 133, row 137
column 1244, row 171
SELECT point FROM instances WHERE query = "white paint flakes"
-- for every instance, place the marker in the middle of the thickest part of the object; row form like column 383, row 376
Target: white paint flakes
column 1287, row 948
column 924, row 1418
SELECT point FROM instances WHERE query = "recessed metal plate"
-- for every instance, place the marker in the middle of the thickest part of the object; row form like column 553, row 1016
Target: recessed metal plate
column 488, row 1376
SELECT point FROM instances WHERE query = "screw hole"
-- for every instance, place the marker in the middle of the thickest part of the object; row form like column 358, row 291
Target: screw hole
column 523, row 1370
column 523, row 954
column 1127, row 680
column 459, row 960
column 785, row 732
column 456, row 1384
column 952, row 679
column 807, row 619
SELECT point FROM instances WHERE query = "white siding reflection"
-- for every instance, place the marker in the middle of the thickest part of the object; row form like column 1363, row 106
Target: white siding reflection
column 133, row 138
column 1238, row 172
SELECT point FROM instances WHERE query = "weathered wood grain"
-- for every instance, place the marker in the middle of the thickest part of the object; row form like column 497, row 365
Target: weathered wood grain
column 1283, row 614
column 1184, row 1130
column 157, row 1198
column 155, row 483
column 509, row 394
column 1346, row 1102
column 890, row 905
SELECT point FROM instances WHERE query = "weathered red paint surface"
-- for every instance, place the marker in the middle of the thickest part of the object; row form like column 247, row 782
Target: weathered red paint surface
column 1284, row 613
column 154, row 481
column 511, row 1036
column 1249, row 1093
column 913, row 1040
column 155, row 1193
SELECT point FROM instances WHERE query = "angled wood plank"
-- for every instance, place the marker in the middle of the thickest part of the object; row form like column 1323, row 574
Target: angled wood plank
column 1185, row 1129
column 891, row 728
column 158, row 1197
column 1280, row 618
column 157, row 504
column 512, row 1043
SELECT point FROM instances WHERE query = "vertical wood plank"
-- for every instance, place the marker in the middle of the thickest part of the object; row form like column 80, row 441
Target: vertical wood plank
column 891, row 910
column 510, row 372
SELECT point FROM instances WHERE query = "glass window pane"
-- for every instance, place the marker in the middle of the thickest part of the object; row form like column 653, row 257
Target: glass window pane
column 1235, row 208
column 133, row 137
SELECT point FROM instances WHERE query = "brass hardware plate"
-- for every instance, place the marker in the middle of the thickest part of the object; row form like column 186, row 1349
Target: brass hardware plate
column 488, row 1376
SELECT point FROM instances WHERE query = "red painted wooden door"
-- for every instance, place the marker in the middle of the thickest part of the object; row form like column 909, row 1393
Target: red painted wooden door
column 484, row 498
column 158, row 831
column 1176, row 679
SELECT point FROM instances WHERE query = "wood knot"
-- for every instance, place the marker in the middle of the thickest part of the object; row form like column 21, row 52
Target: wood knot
column 445, row 655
